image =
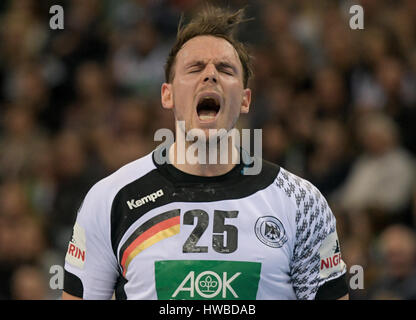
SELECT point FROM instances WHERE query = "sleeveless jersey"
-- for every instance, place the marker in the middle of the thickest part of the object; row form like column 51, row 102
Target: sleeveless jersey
column 150, row 231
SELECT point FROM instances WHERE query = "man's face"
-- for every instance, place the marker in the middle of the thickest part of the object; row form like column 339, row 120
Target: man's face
column 207, row 89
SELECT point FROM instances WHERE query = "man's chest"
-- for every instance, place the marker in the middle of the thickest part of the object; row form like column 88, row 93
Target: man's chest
column 218, row 249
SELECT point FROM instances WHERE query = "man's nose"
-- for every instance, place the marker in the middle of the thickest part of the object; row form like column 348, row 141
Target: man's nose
column 210, row 74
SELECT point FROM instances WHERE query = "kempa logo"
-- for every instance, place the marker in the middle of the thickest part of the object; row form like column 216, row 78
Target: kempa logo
column 150, row 197
column 208, row 284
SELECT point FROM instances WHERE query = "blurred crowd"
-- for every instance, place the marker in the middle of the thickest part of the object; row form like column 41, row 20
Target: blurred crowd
column 337, row 106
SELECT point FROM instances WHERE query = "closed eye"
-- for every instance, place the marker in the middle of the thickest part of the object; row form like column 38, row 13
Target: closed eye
column 227, row 72
column 195, row 67
column 222, row 67
column 226, row 68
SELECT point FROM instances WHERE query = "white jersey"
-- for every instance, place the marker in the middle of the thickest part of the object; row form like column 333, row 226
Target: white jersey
column 150, row 231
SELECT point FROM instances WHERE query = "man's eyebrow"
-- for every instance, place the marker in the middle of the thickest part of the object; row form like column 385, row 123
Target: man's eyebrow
column 218, row 65
column 195, row 63
column 224, row 64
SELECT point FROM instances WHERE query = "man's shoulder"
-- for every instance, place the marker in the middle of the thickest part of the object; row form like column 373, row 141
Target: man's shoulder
column 291, row 185
column 111, row 184
column 289, row 181
column 298, row 190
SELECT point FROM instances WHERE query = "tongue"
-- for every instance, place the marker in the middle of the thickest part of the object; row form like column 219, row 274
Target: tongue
column 207, row 114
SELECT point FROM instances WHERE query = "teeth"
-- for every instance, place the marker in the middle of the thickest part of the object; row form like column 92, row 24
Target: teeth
column 206, row 117
column 211, row 98
column 208, row 112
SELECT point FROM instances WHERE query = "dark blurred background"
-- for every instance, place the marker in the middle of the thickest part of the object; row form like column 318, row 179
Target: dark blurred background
column 337, row 107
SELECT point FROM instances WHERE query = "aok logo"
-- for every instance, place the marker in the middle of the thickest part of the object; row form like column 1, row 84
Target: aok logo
column 207, row 279
column 208, row 284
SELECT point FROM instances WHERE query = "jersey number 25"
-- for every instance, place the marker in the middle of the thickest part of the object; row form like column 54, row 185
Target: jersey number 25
column 220, row 228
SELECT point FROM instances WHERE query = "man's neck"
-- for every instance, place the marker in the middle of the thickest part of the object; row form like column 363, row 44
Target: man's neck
column 214, row 165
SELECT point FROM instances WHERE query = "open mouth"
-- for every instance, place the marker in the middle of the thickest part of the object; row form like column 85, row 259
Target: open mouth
column 208, row 108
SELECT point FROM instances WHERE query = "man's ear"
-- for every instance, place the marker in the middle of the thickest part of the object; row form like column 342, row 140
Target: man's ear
column 245, row 104
column 167, row 96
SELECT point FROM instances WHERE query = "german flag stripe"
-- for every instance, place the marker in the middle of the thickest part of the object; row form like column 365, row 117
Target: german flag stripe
column 148, row 229
column 147, row 225
column 145, row 243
